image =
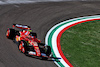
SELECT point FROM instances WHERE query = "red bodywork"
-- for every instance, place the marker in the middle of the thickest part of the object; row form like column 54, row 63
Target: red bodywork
column 31, row 40
column 27, row 41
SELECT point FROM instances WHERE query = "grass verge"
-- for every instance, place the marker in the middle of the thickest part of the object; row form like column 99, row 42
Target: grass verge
column 81, row 44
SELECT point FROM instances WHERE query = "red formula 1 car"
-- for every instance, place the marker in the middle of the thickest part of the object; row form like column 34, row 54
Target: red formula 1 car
column 27, row 41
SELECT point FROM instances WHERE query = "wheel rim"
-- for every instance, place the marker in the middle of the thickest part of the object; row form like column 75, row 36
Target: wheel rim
column 7, row 33
column 21, row 48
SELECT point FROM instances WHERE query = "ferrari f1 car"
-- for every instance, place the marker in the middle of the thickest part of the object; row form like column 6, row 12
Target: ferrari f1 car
column 27, row 41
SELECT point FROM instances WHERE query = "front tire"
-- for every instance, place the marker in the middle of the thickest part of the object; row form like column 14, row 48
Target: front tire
column 22, row 47
column 48, row 50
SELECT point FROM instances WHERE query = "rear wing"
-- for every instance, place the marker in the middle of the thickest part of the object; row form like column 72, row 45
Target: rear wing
column 21, row 26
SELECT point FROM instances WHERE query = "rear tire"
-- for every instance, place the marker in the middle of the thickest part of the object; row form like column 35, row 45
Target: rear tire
column 10, row 34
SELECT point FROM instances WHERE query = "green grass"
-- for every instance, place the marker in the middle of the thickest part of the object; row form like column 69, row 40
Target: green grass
column 81, row 44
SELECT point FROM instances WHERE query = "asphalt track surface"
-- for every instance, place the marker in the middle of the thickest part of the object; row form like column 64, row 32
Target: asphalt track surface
column 41, row 17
